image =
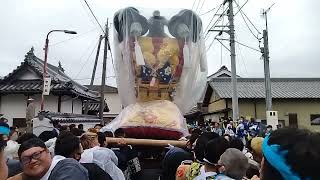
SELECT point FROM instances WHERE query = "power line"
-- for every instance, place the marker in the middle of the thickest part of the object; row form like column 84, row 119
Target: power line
column 94, row 17
column 87, row 58
column 197, row 6
column 207, row 12
column 241, row 57
column 193, row 4
column 247, row 18
column 216, row 22
column 106, row 38
column 247, row 46
column 73, row 37
column 221, row 45
column 241, row 7
column 215, row 38
column 256, row 36
column 206, row 29
column 201, row 5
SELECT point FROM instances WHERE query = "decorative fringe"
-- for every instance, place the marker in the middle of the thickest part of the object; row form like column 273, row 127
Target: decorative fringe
column 153, row 82
column 203, row 64
column 186, row 56
column 139, row 55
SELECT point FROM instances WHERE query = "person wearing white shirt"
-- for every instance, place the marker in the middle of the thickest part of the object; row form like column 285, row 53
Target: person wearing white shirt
column 37, row 163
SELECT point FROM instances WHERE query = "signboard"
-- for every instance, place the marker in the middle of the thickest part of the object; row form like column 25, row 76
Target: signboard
column 46, row 86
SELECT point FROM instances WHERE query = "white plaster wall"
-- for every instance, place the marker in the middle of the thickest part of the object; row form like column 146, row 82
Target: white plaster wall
column 77, row 106
column 13, row 106
column 28, row 75
column 66, row 105
column 50, row 103
column 114, row 104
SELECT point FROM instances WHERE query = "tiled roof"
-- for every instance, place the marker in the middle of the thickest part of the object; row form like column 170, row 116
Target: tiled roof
column 221, row 73
column 31, row 86
column 60, row 81
column 280, row 87
column 107, row 89
column 71, row 118
column 193, row 110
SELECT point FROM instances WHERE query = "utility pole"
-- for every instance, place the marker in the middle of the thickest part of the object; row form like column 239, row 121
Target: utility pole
column 103, row 80
column 265, row 52
column 267, row 81
column 86, row 109
column 235, row 105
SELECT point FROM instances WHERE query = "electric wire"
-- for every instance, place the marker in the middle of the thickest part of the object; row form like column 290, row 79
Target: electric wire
column 216, row 22
column 207, row 12
column 241, row 56
column 241, row 11
column 201, row 5
column 94, row 16
column 80, row 35
column 206, row 29
column 86, row 59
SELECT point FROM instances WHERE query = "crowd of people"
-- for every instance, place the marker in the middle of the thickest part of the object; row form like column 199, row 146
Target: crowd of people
column 224, row 151
column 282, row 154
column 66, row 152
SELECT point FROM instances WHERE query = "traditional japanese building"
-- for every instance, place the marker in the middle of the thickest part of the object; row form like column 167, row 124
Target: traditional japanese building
column 297, row 100
column 24, row 82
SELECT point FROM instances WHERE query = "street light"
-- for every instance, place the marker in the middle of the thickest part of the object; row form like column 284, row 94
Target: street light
column 45, row 60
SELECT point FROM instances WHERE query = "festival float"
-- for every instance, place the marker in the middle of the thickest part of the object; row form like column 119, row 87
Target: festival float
column 161, row 70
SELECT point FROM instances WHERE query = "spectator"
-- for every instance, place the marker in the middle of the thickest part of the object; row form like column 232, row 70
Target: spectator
column 25, row 137
column 68, row 145
column 199, row 149
column 105, row 158
column 102, row 139
column 85, row 141
column 3, row 165
column 11, row 150
column 80, row 126
column 235, row 163
column 38, row 164
column 227, row 137
column 108, row 134
column 176, row 155
column 14, row 134
column 56, row 127
column 72, row 126
column 46, row 135
column 229, row 129
column 217, row 129
column 4, row 131
column 119, row 133
column 210, row 170
column 236, row 143
column 254, row 154
column 77, row 132
column 291, row 153
column 128, row 160
column 241, row 130
column 199, row 154
column 256, row 146
column 11, row 153
column 98, row 127
column 268, row 130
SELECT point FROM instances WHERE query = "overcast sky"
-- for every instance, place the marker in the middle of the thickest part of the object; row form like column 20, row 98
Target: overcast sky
column 293, row 34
